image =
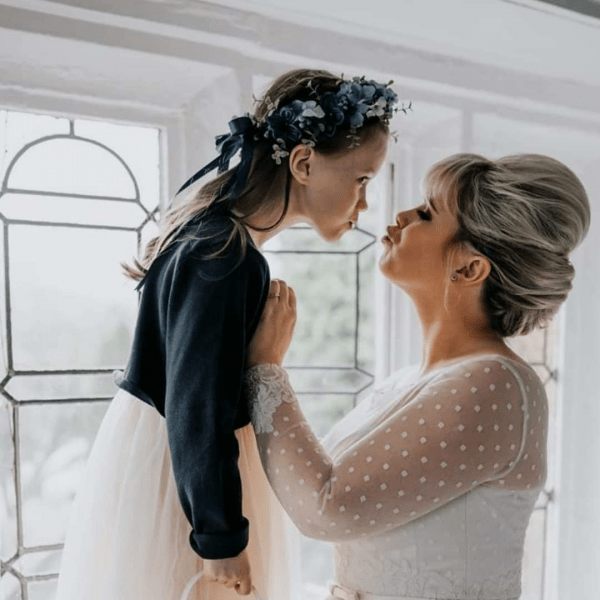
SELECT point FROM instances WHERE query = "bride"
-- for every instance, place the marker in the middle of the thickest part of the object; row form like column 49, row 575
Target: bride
column 427, row 486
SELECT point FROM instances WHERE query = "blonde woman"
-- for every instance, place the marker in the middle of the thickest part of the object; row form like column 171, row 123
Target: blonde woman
column 426, row 487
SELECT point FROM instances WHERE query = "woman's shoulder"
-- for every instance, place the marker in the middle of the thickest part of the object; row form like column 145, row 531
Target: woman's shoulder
column 489, row 367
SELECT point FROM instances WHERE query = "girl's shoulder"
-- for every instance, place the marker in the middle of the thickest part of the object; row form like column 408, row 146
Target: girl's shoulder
column 212, row 243
column 204, row 251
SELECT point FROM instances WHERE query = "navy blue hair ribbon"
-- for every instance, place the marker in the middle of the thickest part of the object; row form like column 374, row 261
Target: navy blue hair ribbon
column 228, row 144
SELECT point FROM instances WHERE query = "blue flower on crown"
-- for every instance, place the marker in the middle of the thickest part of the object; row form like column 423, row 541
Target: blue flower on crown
column 333, row 108
column 309, row 121
column 282, row 124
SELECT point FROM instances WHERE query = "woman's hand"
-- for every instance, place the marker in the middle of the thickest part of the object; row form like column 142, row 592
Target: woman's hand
column 231, row 572
column 273, row 335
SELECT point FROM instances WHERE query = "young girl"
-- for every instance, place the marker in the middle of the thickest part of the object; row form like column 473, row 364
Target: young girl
column 427, row 486
column 174, row 483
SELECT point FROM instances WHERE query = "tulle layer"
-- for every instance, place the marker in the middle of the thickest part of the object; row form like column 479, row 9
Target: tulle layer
column 127, row 537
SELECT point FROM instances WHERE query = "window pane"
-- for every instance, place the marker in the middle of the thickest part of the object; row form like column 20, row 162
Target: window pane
column 10, row 587
column 304, row 239
column 18, row 129
column 72, row 166
column 137, row 146
column 325, row 286
column 72, row 306
column 8, row 517
column 3, row 330
column 55, row 443
column 39, row 563
column 367, row 307
column 328, row 381
column 49, row 387
column 42, row 590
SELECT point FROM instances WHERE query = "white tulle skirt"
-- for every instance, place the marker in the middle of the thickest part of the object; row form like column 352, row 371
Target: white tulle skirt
column 127, row 537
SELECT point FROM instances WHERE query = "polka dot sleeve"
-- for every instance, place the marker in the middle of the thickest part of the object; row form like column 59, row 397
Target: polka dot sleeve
column 466, row 427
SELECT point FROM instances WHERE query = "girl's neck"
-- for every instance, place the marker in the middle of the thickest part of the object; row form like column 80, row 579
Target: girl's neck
column 263, row 220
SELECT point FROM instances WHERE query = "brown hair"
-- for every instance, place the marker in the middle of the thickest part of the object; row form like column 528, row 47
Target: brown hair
column 526, row 213
column 267, row 181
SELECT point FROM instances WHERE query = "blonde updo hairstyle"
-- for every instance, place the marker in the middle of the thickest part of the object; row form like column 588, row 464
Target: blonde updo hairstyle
column 526, row 213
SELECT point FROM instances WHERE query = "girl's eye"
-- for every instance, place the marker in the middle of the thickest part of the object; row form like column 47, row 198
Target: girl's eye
column 424, row 215
column 363, row 180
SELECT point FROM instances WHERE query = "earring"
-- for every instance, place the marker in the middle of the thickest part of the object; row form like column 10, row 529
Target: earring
column 454, row 277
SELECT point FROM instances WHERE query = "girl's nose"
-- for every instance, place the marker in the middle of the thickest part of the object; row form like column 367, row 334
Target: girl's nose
column 362, row 203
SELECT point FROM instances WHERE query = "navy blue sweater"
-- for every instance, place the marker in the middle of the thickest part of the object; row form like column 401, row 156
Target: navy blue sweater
column 187, row 360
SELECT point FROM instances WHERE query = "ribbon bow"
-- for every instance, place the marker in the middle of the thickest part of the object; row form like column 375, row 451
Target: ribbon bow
column 228, row 145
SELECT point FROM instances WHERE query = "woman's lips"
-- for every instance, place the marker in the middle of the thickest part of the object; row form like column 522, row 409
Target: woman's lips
column 392, row 236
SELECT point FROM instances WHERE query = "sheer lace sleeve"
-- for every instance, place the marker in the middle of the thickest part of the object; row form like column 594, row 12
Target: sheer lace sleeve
column 468, row 426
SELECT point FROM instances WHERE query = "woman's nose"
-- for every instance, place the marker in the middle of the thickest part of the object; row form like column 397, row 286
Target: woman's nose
column 399, row 221
column 403, row 218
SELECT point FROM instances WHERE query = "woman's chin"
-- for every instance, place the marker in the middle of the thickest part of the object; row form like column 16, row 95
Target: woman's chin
column 386, row 268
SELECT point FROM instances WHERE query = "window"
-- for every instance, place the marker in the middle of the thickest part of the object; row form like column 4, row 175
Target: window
column 77, row 198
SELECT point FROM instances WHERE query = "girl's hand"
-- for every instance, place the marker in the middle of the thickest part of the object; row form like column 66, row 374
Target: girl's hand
column 273, row 335
column 231, row 572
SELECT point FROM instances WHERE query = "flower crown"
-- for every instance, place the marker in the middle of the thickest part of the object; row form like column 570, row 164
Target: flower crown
column 301, row 121
column 311, row 121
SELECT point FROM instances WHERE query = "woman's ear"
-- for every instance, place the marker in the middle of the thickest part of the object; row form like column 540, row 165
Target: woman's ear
column 476, row 270
column 300, row 162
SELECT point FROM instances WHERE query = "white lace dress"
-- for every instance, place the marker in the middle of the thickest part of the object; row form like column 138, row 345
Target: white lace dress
column 425, row 488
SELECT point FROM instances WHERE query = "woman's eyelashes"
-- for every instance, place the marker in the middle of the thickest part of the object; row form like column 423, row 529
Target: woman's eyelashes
column 425, row 216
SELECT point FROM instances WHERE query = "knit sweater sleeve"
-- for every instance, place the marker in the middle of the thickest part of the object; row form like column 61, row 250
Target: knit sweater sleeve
column 205, row 349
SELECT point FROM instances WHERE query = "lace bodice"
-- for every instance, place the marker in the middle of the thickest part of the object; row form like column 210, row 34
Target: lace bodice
column 426, row 487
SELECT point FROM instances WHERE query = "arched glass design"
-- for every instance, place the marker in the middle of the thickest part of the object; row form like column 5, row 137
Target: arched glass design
column 77, row 197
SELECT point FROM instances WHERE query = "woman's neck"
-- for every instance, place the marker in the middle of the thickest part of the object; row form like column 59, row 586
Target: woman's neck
column 460, row 331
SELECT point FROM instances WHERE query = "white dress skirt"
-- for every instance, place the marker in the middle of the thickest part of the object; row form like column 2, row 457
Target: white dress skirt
column 128, row 537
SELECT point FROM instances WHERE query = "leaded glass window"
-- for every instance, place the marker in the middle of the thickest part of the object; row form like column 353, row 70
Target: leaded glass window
column 77, row 197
